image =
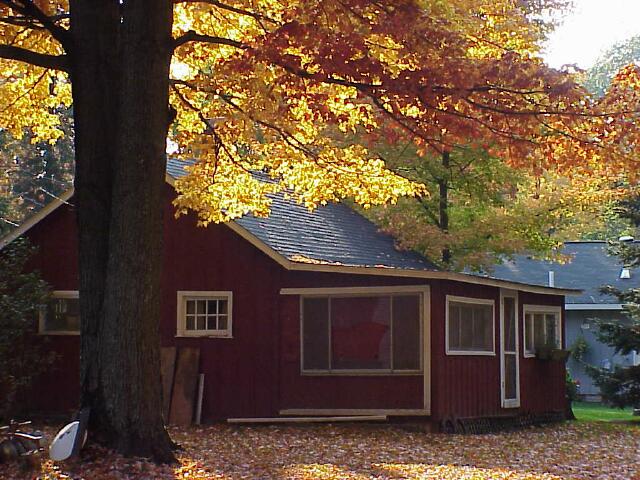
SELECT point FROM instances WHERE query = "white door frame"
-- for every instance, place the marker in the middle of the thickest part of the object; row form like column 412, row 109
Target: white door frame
column 509, row 402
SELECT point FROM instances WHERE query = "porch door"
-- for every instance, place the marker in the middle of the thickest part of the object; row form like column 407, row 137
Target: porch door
column 509, row 359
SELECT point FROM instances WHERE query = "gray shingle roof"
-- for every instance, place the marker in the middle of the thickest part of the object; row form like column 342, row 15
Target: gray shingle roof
column 333, row 234
column 590, row 268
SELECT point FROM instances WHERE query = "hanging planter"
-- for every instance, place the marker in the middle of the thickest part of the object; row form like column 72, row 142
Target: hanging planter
column 560, row 355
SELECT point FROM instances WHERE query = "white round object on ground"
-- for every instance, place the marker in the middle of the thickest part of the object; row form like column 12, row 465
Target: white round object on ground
column 62, row 446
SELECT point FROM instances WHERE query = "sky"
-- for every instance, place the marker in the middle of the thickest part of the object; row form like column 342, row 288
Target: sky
column 592, row 26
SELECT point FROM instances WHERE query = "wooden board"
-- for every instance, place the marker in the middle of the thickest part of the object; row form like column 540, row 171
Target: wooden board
column 184, row 386
column 167, row 371
column 355, row 418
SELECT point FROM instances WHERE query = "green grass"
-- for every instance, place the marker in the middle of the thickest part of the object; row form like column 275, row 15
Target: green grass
column 596, row 412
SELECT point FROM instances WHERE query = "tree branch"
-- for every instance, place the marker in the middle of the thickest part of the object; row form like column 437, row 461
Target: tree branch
column 192, row 36
column 30, row 9
column 231, row 8
column 53, row 62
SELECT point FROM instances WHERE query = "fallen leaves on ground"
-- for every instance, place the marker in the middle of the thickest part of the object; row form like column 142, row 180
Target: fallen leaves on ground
column 362, row 452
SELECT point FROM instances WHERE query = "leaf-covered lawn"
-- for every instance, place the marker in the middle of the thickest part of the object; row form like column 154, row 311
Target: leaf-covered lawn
column 358, row 452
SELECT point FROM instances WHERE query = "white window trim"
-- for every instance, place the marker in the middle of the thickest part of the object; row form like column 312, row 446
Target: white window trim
column 181, row 327
column 350, row 292
column 472, row 301
column 539, row 309
column 57, row 294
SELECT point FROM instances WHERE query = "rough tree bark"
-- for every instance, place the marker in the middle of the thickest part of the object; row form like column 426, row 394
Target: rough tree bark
column 120, row 69
column 443, row 203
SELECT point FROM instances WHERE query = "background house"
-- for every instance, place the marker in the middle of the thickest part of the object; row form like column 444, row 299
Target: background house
column 590, row 267
column 317, row 313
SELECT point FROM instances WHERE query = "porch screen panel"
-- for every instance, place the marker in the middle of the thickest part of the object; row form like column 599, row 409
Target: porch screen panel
column 510, row 377
column 361, row 333
column 406, row 332
column 315, row 334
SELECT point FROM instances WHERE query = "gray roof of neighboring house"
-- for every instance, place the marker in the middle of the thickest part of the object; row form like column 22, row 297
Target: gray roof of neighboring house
column 590, row 268
column 333, row 234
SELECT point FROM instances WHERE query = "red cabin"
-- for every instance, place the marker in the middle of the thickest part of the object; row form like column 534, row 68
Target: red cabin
column 317, row 313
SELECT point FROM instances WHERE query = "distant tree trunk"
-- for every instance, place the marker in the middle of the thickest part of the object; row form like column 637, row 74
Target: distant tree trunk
column 443, row 205
column 120, row 71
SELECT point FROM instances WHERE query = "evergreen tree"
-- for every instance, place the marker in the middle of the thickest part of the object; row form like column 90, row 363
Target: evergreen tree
column 621, row 385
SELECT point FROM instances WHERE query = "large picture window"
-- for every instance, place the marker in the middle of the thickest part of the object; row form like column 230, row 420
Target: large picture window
column 470, row 326
column 541, row 328
column 377, row 333
column 204, row 314
column 61, row 315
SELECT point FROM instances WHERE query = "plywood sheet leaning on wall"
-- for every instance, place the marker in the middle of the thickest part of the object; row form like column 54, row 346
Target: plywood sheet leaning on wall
column 167, row 371
column 184, row 386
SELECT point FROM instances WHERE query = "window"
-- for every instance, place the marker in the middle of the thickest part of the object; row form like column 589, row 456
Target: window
column 470, row 326
column 541, row 328
column 61, row 315
column 376, row 333
column 204, row 314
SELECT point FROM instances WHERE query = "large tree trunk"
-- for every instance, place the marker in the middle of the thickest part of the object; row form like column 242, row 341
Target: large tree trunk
column 120, row 71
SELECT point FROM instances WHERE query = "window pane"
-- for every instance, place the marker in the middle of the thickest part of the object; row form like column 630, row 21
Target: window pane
column 510, row 376
column 552, row 331
column 222, row 306
column 191, row 307
column 454, row 326
column 222, row 322
column 315, row 333
column 212, row 306
column 474, row 324
column 361, row 333
column 211, row 323
column 191, row 322
column 406, row 332
column 538, row 330
column 466, row 328
column 62, row 315
column 509, row 324
column 201, row 322
column 528, row 333
column 200, row 306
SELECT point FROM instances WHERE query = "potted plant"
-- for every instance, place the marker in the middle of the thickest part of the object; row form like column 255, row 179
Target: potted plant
column 560, row 355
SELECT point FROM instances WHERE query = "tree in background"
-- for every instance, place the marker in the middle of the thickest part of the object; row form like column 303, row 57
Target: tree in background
column 598, row 78
column 34, row 172
column 262, row 85
column 481, row 210
column 621, row 385
column 22, row 294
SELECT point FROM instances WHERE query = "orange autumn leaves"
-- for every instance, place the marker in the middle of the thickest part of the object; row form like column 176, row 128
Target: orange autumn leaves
column 276, row 87
column 367, row 452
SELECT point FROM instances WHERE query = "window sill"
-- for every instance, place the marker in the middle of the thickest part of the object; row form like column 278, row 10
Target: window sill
column 60, row 334
column 360, row 373
column 463, row 353
column 201, row 335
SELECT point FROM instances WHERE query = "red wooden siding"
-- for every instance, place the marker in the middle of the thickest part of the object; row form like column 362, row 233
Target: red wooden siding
column 462, row 385
column 240, row 372
column 257, row 372
column 542, row 382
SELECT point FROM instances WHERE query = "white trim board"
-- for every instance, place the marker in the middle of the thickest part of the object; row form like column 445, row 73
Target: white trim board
column 36, row 218
column 593, row 306
column 353, row 411
column 322, row 267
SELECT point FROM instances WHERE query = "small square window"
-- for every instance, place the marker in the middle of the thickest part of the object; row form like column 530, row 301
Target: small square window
column 204, row 314
column 61, row 315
